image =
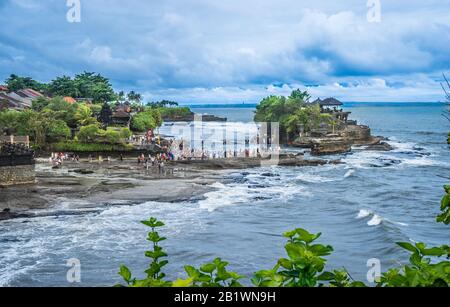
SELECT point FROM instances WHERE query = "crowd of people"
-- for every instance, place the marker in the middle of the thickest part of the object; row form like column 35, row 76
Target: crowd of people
column 172, row 150
column 180, row 151
column 57, row 159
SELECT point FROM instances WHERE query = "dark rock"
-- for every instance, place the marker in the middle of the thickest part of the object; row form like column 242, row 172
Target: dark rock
column 323, row 147
column 83, row 171
column 270, row 175
column 382, row 146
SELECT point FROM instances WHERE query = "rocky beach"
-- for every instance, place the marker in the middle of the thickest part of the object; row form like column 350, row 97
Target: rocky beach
column 106, row 183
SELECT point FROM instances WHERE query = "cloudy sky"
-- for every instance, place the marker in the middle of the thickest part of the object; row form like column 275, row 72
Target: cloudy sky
column 234, row 51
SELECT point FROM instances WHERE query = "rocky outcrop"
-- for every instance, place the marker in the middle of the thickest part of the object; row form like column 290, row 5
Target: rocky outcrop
column 352, row 135
column 357, row 134
column 381, row 146
column 338, row 145
column 243, row 163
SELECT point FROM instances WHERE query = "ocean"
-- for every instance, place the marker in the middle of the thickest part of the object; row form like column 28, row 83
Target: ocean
column 361, row 208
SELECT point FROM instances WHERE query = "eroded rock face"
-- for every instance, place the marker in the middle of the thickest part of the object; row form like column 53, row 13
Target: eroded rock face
column 352, row 135
column 382, row 146
column 358, row 134
column 330, row 146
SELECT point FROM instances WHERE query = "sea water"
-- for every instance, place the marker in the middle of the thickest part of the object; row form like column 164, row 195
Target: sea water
column 362, row 208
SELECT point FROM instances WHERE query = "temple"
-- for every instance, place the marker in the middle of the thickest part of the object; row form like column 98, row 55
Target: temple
column 334, row 107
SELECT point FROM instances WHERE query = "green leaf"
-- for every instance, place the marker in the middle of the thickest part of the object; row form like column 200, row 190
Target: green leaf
column 125, row 273
column 208, row 268
column 182, row 283
column 435, row 251
column 290, row 234
column 407, row 246
column 294, row 250
column 306, row 236
column 326, row 276
column 156, row 254
column 191, row 271
column 285, row 263
column 321, row 250
column 153, row 223
column 447, row 187
column 154, row 237
column 445, row 202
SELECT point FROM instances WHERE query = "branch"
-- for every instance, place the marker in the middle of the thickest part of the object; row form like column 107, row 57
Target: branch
column 448, row 85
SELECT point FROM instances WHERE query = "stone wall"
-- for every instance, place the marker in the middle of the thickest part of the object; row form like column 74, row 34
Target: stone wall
column 14, row 175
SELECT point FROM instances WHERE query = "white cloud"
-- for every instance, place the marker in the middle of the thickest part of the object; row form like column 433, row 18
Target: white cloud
column 236, row 48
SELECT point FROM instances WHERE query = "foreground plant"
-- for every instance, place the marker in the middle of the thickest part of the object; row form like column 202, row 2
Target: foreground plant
column 155, row 276
column 305, row 265
column 213, row 274
column 422, row 271
column 445, row 207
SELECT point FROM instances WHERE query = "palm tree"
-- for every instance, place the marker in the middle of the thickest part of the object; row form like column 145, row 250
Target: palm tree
column 333, row 122
column 83, row 115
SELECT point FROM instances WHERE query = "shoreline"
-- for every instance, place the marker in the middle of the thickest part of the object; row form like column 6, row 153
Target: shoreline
column 126, row 182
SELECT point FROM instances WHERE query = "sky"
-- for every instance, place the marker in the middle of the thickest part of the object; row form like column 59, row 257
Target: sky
column 234, row 51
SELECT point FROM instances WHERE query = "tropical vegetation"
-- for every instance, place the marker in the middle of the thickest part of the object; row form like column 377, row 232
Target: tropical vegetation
column 56, row 123
column 294, row 114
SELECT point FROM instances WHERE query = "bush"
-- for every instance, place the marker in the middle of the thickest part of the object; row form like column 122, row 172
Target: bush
column 80, row 147
column 175, row 112
column 144, row 121
column 421, row 272
column 57, row 130
column 125, row 133
column 113, row 137
column 88, row 134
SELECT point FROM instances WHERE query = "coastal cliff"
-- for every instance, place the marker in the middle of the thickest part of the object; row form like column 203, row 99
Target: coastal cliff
column 342, row 142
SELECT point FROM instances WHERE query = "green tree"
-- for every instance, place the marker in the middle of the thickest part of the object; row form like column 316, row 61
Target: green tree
column 58, row 108
column 16, row 83
column 83, row 115
column 12, row 122
column 64, row 86
column 300, row 96
column 57, row 130
column 95, row 86
column 102, row 92
column 35, row 125
column 113, row 136
column 125, row 133
column 134, row 97
column 143, row 121
column 88, row 134
column 40, row 103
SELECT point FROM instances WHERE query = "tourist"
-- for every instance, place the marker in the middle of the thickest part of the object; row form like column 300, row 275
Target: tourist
column 152, row 160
